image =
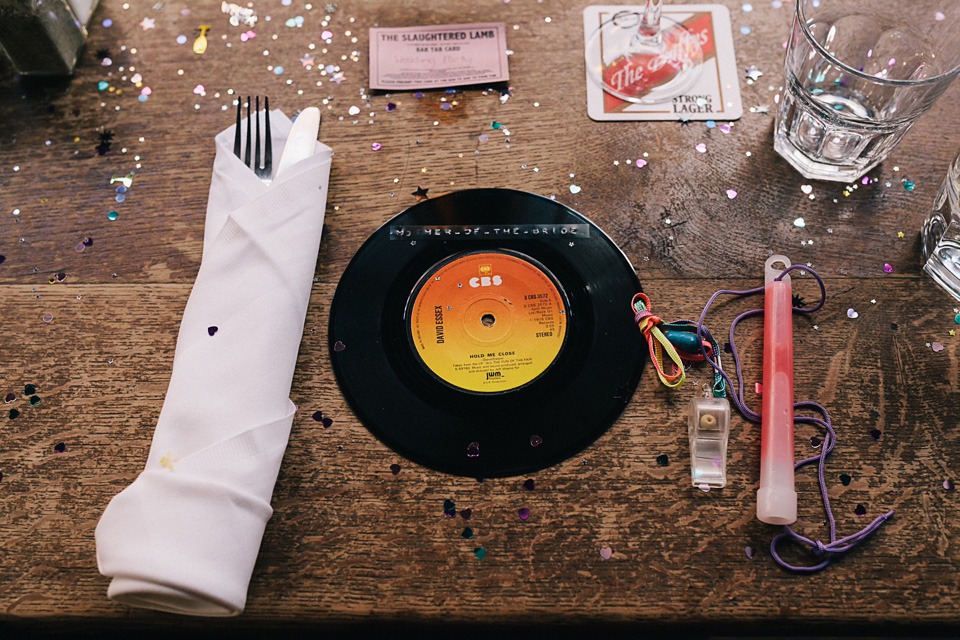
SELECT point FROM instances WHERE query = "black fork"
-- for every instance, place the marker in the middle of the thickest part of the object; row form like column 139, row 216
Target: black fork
column 263, row 170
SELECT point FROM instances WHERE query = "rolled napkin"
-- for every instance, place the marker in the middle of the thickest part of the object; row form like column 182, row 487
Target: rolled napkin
column 185, row 535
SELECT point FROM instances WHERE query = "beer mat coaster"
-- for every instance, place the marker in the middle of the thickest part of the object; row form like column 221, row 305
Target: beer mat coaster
column 715, row 95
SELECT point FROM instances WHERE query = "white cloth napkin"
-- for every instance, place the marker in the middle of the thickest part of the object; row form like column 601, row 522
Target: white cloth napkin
column 185, row 535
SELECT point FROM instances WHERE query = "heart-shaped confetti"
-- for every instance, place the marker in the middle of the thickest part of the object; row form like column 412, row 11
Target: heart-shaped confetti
column 200, row 90
column 574, row 188
column 939, row 17
column 731, row 194
column 473, row 450
column 852, row 314
column 354, row 110
column 523, row 512
column 887, row 267
column 465, row 513
column 339, row 346
column 212, row 330
column 248, row 35
column 136, row 78
column 702, row 148
column 394, row 469
column 535, row 441
column 875, row 434
column 326, row 35
column 529, row 484
column 807, row 189
column 663, row 460
column 845, row 479
column 800, row 223
column 860, row 510
column 641, row 163
column 60, row 447
column 936, row 346
column 146, row 91
column 606, row 553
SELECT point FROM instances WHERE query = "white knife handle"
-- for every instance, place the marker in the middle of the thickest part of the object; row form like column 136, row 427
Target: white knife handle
column 302, row 141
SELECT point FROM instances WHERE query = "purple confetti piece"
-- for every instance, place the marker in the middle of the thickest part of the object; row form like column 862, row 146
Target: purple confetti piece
column 523, row 512
column 875, row 434
column 466, row 513
column 60, row 447
column 948, row 484
column 815, row 442
column 391, row 106
column 326, row 422
column 446, row 106
column 394, row 469
column 731, row 194
column 418, row 94
column 535, row 441
column 529, row 484
column 339, row 346
column 473, row 449
column 606, row 553
column 2, row 258
column 750, row 552
column 937, row 347
column 317, row 415
column 212, row 330
column 376, row 146
column 887, row 267
column 860, row 510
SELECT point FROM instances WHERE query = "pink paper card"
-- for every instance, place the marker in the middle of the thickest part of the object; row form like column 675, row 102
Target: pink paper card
column 438, row 56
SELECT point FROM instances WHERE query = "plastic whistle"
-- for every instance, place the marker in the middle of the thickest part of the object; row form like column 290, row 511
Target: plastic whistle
column 777, row 499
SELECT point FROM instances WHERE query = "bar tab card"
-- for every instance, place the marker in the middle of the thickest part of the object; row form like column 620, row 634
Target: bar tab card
column 439, row 56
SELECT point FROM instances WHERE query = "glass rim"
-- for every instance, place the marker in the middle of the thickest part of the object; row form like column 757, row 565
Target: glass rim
column 798, row 14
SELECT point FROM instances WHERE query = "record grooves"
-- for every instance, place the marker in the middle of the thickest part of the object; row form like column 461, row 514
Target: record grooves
column 487, row 333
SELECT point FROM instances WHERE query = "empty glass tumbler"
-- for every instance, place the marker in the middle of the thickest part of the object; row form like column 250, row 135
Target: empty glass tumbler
column 940, row 234
column 859, row 73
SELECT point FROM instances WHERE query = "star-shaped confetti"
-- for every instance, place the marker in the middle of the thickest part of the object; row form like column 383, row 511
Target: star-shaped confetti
column 307, row 60
column 952, row 332
column 760, row 108
column 899, row 234
column 105, row 138
column 753, row 74
column 147, row 23
column 338, row 77
column 420, row 193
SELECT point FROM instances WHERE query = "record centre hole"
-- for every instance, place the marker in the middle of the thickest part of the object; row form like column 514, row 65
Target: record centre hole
column 488, row 320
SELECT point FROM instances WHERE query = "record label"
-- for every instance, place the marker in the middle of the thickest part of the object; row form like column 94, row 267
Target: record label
column 487, row 322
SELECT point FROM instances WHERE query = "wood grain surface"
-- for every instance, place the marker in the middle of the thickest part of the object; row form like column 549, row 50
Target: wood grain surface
column 352, row 543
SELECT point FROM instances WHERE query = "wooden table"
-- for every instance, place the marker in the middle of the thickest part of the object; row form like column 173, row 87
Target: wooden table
column 352, row 543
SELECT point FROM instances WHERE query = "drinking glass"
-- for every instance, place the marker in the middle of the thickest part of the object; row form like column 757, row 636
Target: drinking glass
column 859, row 73
column 643, row 56
column 940, row 234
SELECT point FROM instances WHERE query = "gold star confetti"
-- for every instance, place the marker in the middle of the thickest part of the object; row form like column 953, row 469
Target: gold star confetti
column 899, row 234
column 167, row 461
column 953, row 332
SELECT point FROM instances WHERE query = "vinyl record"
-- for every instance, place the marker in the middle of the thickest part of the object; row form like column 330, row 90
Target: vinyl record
column 487, row 333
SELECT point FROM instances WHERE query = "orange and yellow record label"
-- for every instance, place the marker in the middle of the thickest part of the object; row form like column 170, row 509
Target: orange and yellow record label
column 488, row 321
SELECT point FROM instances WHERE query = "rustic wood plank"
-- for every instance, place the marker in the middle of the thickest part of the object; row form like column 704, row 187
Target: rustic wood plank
column 349, row 541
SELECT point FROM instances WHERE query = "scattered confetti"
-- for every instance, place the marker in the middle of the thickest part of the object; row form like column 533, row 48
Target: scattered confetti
column 200, row 44
column 339, row 346
column 34, row 401
column 467, row 533
column 937, row 347
column 908, row 185
column 480, row 552
column 887, row 267
column 815, row 442
column 535, row 441
column 731, row 194
column 948, row 484
column 529, row 484
column 852, row 314
column 13, row 414
column 641, row 163
column 606, row 553
column 750, row 552
column 212, row 330
column 60, row 447
column 353, row 110
column 394, row 469
column 473, row 450
column 753, row 74
column 523, row 512
column 449, row 508
column 845, row 479
column 147, row 24
column 466, row 513
column 704, row 487
column 376, row 146
column 317, row 416
column 663, row 460
column 47, row 317
column 391, row 106
column 939, row 17
column 800, row 223
column 420, row 193
column 10, row 397
column 806, row 188
column 574, row 189
column 860, row 510
column 875, row 434
column 702, row 148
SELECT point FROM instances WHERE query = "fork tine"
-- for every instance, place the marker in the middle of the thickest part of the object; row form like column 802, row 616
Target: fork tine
column 256, row 150
column 268, row 142
column 236, row 137
column 246, row 156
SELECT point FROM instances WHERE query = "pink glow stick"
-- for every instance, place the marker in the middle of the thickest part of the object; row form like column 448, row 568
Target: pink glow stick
column 777, row 499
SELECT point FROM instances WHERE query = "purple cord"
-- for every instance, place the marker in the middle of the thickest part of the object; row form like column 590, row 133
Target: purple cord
column 830, row 438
